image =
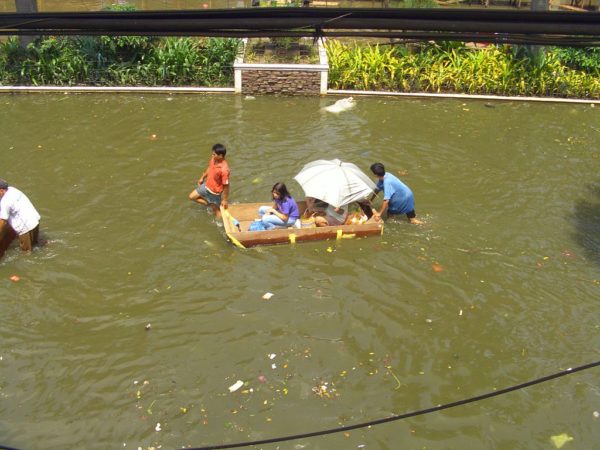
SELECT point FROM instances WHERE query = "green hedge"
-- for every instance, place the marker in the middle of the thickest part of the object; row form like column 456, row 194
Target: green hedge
column 458, row 68
column 119, row 61
column 426, row 67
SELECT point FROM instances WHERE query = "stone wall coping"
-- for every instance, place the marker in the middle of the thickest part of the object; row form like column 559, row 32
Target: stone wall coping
column 283, row 67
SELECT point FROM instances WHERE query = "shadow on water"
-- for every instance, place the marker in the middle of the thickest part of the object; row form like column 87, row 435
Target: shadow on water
column 587, row 224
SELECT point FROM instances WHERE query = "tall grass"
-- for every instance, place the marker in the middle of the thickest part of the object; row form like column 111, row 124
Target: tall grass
column 457, row 68
column 425, row 67
column 117, row 61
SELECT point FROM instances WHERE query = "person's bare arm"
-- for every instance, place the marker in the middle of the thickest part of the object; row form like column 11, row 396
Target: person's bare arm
column 3, row 228
column 225, row 196
column 202, row 177
column 384, row 207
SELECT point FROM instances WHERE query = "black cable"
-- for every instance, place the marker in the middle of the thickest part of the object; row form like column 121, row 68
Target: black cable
column 198, row 22
column 406, row 415
column 411, row 36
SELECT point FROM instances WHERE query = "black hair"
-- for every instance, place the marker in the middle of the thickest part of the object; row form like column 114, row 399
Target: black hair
column 219, row 149
column 281, row 189
column 378, row 169
column 3, row 184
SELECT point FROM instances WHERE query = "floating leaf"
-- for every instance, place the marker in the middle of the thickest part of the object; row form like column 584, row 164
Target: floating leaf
column 561, row 439
column 437, row 267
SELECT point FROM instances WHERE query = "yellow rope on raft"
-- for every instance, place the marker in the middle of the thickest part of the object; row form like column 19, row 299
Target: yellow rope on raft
column 292, row 238
column 234, row 241
column 340, row 235
column 227, row 216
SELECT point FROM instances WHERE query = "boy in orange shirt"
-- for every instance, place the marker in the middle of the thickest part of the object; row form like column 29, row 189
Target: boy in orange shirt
column 213, row 185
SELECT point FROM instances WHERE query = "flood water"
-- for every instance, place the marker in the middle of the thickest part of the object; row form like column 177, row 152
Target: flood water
column 498, row 287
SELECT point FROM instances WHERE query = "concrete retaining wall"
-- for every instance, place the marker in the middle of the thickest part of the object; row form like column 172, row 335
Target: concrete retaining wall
column 281, row 79
column 293, row 82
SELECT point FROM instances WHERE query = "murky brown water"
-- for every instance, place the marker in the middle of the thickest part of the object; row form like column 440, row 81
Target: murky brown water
column 501, row 285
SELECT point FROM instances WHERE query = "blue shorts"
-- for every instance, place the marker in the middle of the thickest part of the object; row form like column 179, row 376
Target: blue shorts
column 207, row 195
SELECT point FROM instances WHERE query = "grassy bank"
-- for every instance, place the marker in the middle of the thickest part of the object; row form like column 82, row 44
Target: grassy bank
column 458, row 68
column 119, row 61
column 208, row 62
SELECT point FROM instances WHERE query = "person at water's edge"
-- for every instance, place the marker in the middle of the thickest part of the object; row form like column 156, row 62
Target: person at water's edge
column 213, row 184
column 397, row 196
column 17, row 217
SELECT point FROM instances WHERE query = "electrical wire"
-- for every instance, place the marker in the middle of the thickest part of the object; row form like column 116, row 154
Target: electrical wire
column 405, row 415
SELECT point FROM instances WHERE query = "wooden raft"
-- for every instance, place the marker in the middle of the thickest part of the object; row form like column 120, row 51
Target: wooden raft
column 246, row 213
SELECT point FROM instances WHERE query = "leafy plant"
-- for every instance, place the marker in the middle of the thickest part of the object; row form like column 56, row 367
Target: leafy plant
column 121, row 7
column 285, row 42
column 587, row 59
column 177, row 60
column 456, row 67
column 420, row 4
column 122, row 60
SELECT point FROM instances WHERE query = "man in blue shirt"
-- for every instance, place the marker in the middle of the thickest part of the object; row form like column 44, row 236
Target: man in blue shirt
column 397, row 197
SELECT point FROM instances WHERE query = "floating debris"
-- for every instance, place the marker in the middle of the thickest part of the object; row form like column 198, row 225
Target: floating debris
column 437, row 267
column 341, row 105
column 323, row 390
column 235, row 386
column 561, row 439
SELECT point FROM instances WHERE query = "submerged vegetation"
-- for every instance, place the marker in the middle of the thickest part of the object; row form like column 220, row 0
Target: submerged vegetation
column 119, row 61
column 458, row 68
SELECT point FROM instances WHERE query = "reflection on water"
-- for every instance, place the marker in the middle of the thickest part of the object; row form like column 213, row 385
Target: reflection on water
column 499, row 286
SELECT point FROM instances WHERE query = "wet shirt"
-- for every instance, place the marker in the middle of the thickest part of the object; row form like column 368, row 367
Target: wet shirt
column 400, row 197
column 18, row 211
column 288, row 207
column 217, row 176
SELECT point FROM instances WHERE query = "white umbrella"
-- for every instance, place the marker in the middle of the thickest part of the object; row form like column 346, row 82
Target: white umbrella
column 335, row 182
